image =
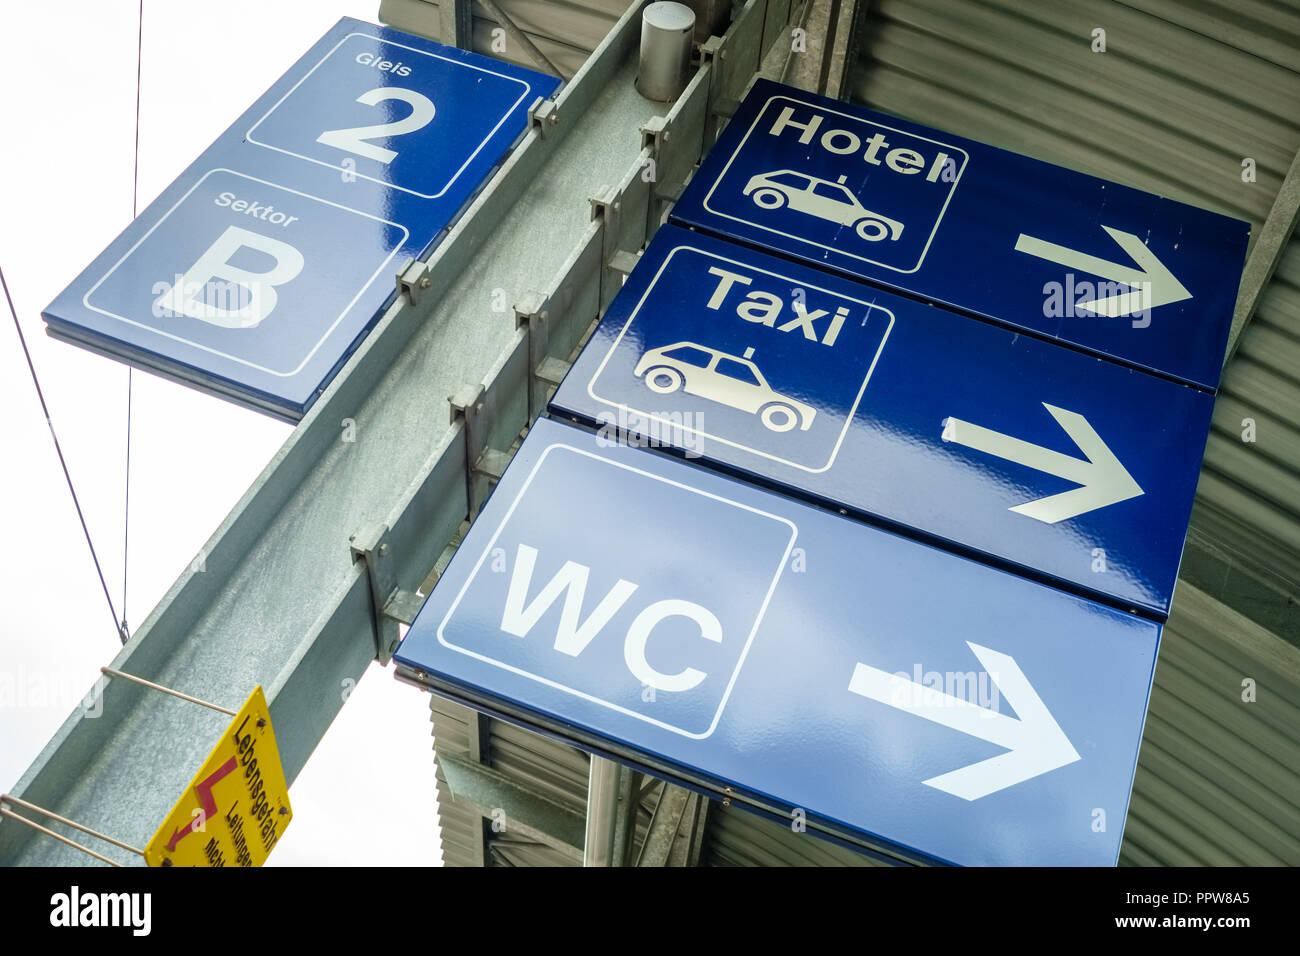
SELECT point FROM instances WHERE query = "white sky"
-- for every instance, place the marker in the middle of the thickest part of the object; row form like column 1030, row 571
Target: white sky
column 65, row 192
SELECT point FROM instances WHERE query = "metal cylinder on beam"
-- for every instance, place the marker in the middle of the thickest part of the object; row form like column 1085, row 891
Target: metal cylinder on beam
column 666, row 32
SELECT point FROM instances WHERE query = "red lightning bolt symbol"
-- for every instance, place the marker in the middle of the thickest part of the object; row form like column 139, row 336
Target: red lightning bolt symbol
column 209, row 802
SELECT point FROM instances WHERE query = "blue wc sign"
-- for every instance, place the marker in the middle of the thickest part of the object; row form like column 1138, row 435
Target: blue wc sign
column 803, row 664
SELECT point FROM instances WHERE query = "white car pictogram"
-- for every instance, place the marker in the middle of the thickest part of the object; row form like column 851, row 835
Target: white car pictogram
column 728, row 379
column 822, row 198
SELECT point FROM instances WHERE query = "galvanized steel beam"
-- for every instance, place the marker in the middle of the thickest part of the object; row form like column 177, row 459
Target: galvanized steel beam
column 675, row 832
column 1266, row 252
column 493, row 795
column 277, row 597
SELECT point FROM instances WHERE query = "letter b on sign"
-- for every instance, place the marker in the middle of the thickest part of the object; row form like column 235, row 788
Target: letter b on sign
column 217, row 291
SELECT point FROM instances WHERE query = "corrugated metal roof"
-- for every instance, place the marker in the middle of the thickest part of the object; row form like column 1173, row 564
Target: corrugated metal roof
column 740, row 838
column 1247, row 515
column 1163, row 109
column 460, row 824
column 1265, row 28
column 552, row 771
column 558, row 772
column 1218, row 782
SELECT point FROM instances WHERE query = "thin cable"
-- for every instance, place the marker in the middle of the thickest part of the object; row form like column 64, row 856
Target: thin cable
column 58, row 836
column 126, row 509
column 19, row 802
column 123, row 630
column 166, row 690
column 59, row 449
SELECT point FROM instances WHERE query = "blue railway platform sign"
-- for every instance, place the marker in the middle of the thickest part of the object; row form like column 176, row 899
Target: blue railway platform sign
column 260, row 269
column 1069, row 257
column 731, row 637
column 1060, row 464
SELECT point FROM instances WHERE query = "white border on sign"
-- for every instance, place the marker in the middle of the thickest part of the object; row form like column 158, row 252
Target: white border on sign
column 85, row 299
column 383, row 182
column 884, row 265
column 848, row 420
column 758, row 620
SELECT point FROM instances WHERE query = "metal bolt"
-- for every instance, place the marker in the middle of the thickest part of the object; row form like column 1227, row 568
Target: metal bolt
column 425, row 282
column 383, row 549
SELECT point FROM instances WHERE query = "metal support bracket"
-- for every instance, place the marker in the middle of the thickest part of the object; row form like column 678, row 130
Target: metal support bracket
column 654, row 140
column 623, row 212
column 607, row 208
column 391, row 604
column 543, row 115
column 624, row 262
column 712, row 55
column 532, row 314
column 552, row 371
column 413, row 279
column 654, row 134
column 483, row 465
column 674, row 144
column 555, row 320
column 734, row 59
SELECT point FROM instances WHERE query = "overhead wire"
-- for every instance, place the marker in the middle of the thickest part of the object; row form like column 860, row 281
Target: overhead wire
column 119, row 623
column 67, row 476
column 123, row 629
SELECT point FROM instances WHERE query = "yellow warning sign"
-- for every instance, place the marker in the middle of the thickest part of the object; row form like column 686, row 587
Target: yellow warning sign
column 237, row 806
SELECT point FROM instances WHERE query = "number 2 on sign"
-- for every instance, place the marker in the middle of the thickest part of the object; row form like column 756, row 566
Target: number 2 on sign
column 353, row 140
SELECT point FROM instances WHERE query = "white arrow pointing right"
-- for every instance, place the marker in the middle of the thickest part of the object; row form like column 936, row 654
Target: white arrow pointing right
column 1153, row 284
column 1035, row 742
column 1103, row 477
